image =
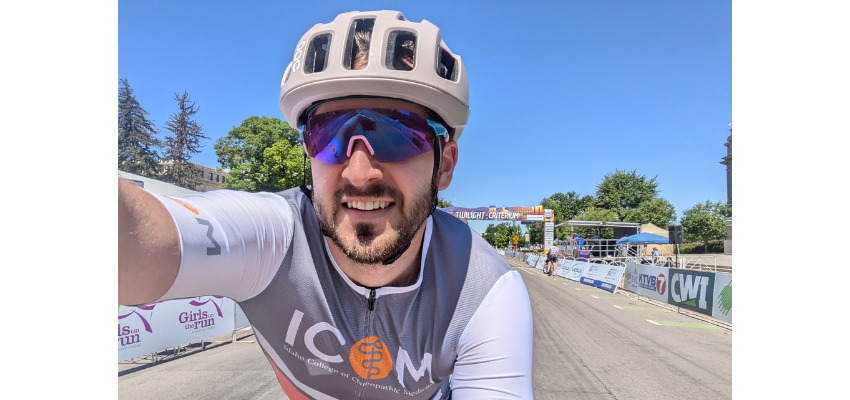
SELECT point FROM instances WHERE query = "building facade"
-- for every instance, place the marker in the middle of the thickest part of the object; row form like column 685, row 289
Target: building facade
column 206, row 179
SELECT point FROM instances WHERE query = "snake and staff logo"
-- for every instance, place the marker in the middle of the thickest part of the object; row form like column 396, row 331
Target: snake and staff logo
column 129, row 336
column 371, row 358
column 200, row 319
column 725, row 298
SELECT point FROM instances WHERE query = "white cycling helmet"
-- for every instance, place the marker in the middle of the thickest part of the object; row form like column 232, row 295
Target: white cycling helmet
column 322, row 67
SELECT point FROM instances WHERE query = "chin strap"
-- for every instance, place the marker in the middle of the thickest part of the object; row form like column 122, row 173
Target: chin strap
column 435, row 176
column 304, row 189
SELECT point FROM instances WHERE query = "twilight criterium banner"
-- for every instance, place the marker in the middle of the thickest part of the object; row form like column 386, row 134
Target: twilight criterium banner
column 493, row 213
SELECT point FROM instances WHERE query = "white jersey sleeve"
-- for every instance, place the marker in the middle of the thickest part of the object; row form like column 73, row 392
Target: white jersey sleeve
column 231, row 243
column 495, row 349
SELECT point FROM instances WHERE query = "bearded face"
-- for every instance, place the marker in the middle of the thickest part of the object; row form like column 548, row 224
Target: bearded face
column 370, row 240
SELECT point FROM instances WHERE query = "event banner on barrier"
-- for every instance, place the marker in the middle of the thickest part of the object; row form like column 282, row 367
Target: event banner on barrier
column 647, row 280
column 722, row 297
column 154, row 327
column 576, row 268
column 603, row 276
column 563, row 268
column 692, row 290
column 541, row 262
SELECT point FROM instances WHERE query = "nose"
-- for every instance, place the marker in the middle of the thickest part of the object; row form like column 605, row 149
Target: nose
column 361, row 167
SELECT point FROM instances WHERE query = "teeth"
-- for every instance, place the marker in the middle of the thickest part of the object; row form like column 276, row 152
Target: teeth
column 368, row 205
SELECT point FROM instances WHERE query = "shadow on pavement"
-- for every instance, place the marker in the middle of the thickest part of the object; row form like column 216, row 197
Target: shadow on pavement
column 142, row 363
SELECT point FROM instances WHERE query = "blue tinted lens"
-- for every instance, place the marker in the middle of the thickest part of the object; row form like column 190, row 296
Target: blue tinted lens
column 392, row 135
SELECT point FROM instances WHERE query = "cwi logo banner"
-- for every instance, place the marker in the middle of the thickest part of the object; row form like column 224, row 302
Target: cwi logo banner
column 722, row 297
column 692, row 290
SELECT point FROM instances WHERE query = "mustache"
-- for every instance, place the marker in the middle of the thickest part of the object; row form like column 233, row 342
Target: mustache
column 374, row 190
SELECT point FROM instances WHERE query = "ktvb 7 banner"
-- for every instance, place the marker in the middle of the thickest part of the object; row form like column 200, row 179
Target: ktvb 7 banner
column 648, row 280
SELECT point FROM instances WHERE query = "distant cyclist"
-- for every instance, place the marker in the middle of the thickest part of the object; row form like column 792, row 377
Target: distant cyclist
column 552, row 259
column 355, row 286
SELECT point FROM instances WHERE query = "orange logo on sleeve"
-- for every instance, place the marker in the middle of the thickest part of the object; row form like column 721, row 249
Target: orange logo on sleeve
column 370, row 358
column 188, row 207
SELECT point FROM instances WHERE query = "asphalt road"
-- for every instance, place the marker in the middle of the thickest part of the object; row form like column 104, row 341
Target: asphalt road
column 588, row 344
column 586, row 348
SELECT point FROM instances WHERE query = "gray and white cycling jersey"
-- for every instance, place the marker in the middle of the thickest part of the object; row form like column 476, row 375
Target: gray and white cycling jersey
column 462, row 331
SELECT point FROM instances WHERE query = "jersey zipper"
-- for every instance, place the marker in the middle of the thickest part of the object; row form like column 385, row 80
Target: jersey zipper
column 367, row 331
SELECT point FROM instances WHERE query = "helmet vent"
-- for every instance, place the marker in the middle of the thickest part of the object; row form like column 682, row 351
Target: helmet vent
column 317, row 54
column 446, row 65
column 401, row 51
column 357, row 43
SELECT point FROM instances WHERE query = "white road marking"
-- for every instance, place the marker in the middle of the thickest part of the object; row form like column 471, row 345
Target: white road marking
column 595, row 297
column 618, row 306
column 578, row 289
column 656, row 323
column 566, row 284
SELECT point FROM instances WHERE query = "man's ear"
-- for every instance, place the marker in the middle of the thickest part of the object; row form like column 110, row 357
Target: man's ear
column 447, row 167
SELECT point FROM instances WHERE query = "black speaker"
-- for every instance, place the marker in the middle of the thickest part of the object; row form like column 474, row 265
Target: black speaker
column 674, row 234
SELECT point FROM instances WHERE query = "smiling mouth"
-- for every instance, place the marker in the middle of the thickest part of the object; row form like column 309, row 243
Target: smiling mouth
column 368, row 205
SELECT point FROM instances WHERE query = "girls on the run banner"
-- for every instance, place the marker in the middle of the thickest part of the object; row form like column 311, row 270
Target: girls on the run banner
column 154, row 327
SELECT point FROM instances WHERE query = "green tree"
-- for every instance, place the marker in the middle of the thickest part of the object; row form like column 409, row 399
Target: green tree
column 283, row 165
column 535, row 233
column 136, row 141
column 625, row 190
column 597, row 214
column 567, row 206
column 657, row 211
column 185, row 142
column 263, row 154
column 443, row 203
column 704, row 222
column 500, row 234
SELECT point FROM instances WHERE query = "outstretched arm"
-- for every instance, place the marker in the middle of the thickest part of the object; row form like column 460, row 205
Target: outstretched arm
column 494, row 352
column 148, row 246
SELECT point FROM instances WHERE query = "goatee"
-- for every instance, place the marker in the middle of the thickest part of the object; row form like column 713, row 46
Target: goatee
column 366, row 246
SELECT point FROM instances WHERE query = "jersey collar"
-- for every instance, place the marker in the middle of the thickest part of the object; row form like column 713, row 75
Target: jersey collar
column 388, row 289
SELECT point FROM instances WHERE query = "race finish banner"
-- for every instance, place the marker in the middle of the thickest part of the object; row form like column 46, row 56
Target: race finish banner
column 493, row 213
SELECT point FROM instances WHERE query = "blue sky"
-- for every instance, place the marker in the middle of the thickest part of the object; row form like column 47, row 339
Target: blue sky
column 561, row 92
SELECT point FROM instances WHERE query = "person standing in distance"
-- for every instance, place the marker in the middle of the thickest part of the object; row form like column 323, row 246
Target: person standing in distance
column 575, row 237
column 355, row 286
